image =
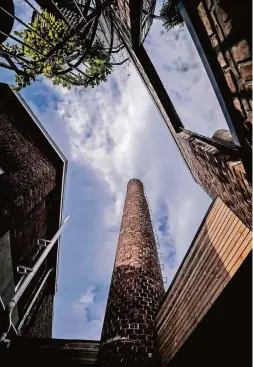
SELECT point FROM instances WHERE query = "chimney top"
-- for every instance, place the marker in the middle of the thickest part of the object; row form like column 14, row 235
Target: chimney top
column 136, row 181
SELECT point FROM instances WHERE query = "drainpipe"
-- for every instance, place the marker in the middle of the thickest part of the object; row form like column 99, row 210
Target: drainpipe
column 28, row 279
column 33, row 301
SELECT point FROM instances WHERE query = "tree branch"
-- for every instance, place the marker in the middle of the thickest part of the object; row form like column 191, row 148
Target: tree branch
column 3, row 65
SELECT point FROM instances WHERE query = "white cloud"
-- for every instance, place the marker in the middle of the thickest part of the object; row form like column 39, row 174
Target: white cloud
column 87, row 316
column 122, row 136
column 104, row 132
column 178, row 64
column 80, row 306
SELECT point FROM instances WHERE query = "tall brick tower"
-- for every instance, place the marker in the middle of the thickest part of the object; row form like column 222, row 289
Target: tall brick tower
column 128, row 335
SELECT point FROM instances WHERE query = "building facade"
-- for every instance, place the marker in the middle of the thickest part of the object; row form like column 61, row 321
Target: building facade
column 219, row 167
column 32, row 181
column 212, row 286
column 221, row 31
column 208, row 304
column 128, row 334
column 198, row 321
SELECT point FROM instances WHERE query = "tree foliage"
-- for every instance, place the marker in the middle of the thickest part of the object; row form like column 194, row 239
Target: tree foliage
column 47, row 49
column 171, row 15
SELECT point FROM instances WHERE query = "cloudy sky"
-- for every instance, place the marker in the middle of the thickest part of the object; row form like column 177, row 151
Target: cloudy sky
column 109, row 135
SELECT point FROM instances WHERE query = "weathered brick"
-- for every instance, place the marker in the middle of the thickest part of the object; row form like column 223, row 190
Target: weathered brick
column 205, row 20
column 249, row 115
column 136, row 288
column 237, row 104
column 248, row 85
column 209, row 3
column 229, row 29
column 30, row 179
column 214, row 41
column 223, row 20
column 241, row 51
column 246, row 71
column 230, row 81
column 216, row 176
column 246, row 104
column 217, row 28
column 222, row 15
column 221, row 59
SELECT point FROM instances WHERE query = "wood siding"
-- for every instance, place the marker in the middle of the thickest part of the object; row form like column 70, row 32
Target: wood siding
column 219, row 248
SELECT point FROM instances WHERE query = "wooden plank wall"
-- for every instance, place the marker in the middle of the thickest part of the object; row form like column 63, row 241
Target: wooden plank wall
column 215, row 255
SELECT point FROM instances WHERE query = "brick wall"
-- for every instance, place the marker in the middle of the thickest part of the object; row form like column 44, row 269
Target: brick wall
column 41, row 324
column 219, row 174
column 27, row 180
column 29, row 176
column 221, row 31
column 212, row 166
column 228, row 25
column 128, row 335
column 26, row 196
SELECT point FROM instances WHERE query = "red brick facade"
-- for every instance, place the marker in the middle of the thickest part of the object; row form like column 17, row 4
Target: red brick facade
column 228, row 26
column 219, row 173
column 27, row 180
column 223, row 30
column 215, row 165
column 222, row 33
column 128, row 335
column 30, row 189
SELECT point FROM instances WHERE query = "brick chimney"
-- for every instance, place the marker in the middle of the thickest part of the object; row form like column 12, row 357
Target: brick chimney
column 128, row 335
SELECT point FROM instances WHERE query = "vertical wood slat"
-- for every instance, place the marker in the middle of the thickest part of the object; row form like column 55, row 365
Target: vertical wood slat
column 188, row 265
column 223, row 278
column 193, row 292
column 218, row 289
column 198, row 290
column 200, row 259
column 216, row 254
column 224, row 282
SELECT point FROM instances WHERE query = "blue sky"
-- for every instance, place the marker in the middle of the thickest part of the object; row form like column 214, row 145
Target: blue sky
column 109, row 135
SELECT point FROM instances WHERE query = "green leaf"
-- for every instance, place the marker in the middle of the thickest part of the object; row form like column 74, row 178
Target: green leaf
column 49, row 29
column 171, row 15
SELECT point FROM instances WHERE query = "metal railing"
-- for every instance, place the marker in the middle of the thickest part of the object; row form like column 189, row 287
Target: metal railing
column 27, row 280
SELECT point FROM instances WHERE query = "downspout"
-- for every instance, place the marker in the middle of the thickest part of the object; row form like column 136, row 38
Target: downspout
column 33, row 301
column 27, row 280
